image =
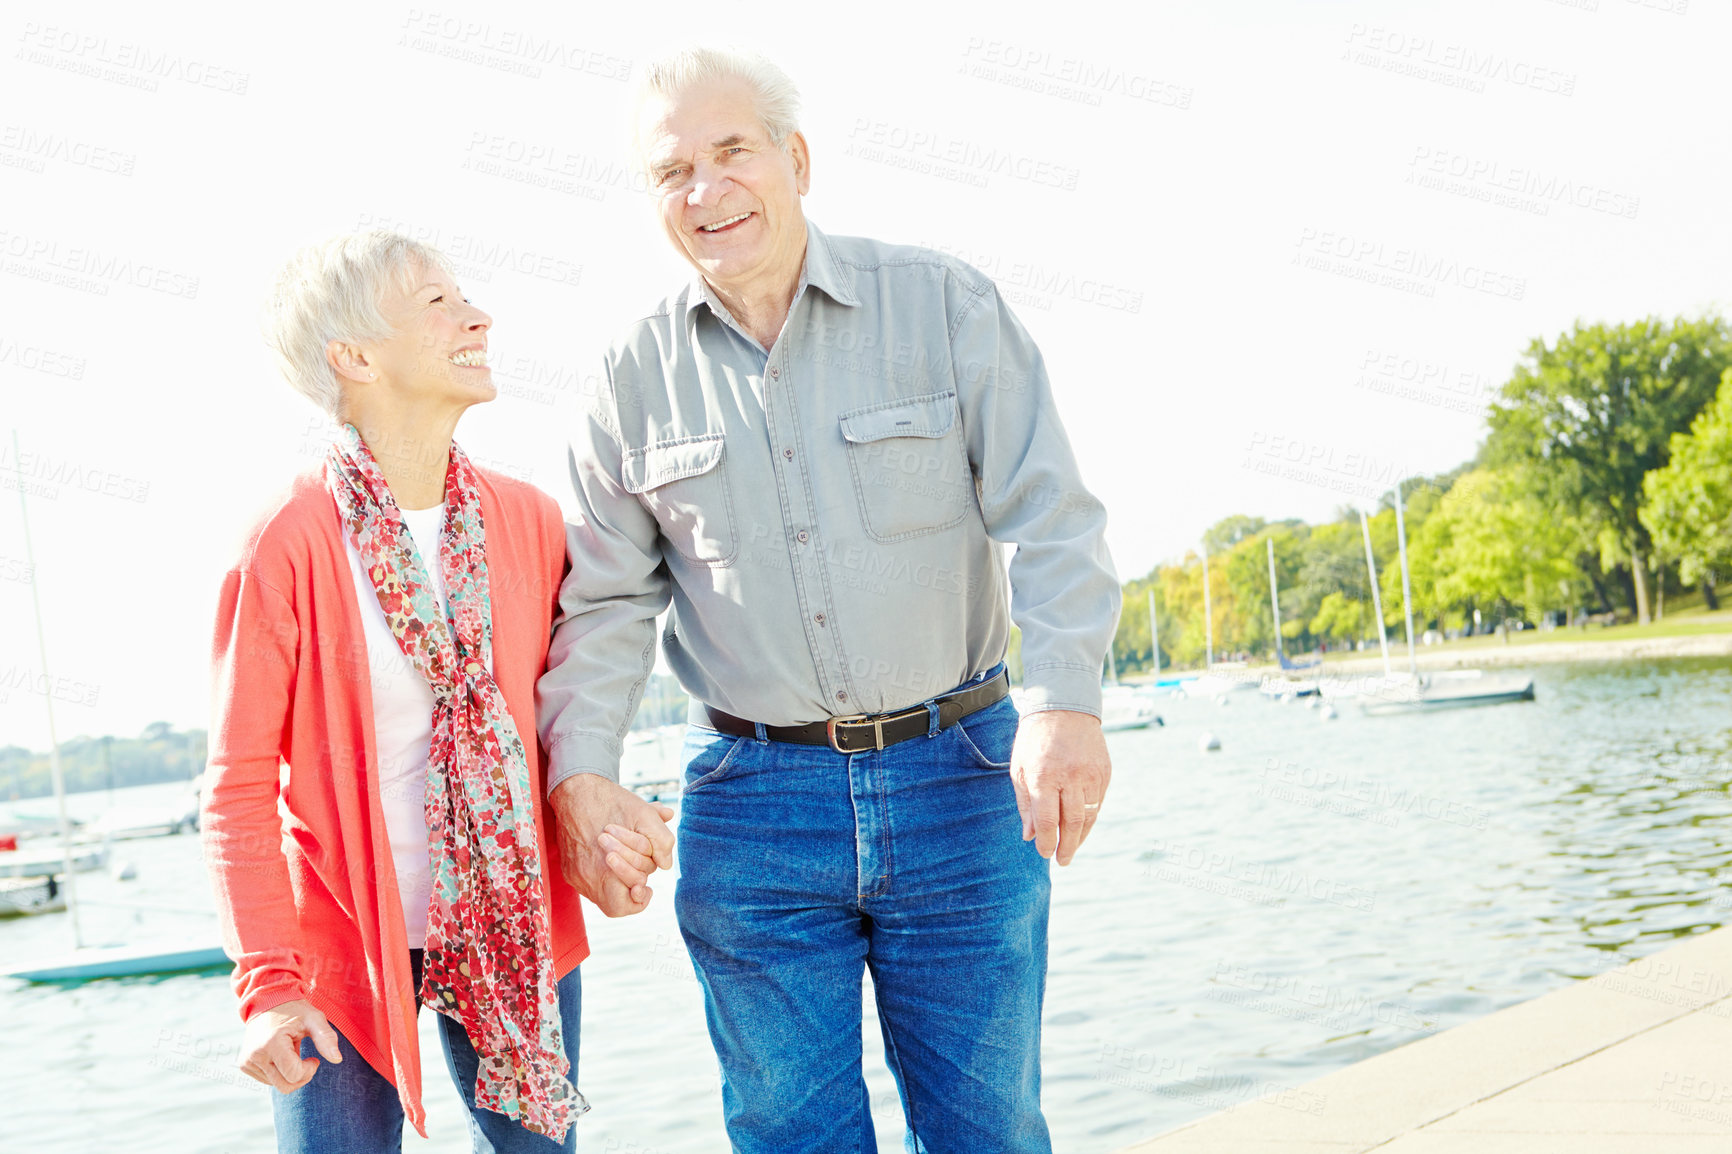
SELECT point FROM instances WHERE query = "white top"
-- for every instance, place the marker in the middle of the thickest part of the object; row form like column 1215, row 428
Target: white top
column 403, row 724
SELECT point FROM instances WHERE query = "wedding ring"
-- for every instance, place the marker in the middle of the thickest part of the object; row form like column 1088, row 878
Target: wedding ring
column 1091, row 805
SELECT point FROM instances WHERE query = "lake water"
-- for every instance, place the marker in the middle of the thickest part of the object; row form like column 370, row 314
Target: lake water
column 1316, row 892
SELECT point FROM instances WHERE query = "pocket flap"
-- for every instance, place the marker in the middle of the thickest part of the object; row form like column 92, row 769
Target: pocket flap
column 930, row 416
column 659, row 464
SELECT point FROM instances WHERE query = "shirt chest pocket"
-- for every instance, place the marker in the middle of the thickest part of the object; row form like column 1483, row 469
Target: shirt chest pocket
column 684, row 483
column 910, row 465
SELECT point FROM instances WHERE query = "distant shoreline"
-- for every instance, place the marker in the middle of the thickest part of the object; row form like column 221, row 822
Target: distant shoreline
column 1448, row 656
column 1544, row 652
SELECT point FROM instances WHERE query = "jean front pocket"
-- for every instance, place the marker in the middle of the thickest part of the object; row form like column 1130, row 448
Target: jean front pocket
column 684, row 482
column 911, row 471
column 709, row 756
column 989, row 734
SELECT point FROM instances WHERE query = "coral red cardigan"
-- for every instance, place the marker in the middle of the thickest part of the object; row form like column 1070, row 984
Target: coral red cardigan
column 294, row 836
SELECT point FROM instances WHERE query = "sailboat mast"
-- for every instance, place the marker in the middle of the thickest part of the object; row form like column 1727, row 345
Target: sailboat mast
column 48, row 703
column 1376, row 598
column 1274, row 601
column 1208, row 618
column 1406, row 583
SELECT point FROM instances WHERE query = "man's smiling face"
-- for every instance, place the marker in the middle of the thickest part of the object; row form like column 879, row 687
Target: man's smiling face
column 729, row 198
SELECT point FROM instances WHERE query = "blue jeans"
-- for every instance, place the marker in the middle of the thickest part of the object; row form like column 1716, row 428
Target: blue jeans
column 800, row 868
column 350, row 1108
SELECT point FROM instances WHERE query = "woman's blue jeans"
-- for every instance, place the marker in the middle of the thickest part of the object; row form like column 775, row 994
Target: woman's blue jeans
column 800, row 868
column 350, row 1108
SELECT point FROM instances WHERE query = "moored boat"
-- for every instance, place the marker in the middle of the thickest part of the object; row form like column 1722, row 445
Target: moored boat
column 1455, row 689
column 21, row 897
column 36, row 863
column 91, row 963
column 1126, row 707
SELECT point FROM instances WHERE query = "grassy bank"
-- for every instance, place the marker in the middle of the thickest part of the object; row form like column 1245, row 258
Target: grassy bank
column 1688, row 623
column 1691, row 632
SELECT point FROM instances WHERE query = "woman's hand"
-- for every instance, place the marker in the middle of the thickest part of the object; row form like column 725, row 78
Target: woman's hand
column 610, row 841
column 271, row 1045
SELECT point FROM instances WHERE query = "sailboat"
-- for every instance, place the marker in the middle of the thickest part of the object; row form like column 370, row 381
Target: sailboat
column 85, row 963
column 1452, row 689
column 1379, row 687
column 1285, row 687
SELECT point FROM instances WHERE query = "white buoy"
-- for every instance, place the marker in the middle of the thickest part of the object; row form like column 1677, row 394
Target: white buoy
column 1220, row 699
column 1208, row 742
column 125, row 871
column 1328, row 713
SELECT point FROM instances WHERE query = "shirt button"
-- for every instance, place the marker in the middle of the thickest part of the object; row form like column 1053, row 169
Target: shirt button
column 775, row 372
column 819, row 619
column 788, row 453
column 840, row 696
column 801, row 536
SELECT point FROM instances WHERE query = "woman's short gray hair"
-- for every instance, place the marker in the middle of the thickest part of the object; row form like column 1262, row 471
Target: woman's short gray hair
column 773, row 92
column 334, row 291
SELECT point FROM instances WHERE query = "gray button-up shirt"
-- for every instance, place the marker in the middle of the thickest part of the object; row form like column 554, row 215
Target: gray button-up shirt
column 826, row 517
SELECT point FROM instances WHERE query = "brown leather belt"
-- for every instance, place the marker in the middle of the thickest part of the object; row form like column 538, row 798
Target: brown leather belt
column 865, row 732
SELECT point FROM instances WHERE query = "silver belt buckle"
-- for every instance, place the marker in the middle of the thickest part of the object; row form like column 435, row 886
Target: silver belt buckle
column 853, row 719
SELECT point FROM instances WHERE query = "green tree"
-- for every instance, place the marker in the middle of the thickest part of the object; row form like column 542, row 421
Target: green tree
column 1595, row 412
column 1340, row 618
column 1333, row 565
column 160, row 753
column 1131, row 644
column 1179, row 599
column 1494, row 543
column 1230, row 531
column 1688, row 509
column 1246, row 571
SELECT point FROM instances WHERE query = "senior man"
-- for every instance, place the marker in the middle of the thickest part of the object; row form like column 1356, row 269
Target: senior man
column 814, row 450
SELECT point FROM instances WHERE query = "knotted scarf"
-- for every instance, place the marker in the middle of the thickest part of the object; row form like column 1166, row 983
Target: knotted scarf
column 489, row 958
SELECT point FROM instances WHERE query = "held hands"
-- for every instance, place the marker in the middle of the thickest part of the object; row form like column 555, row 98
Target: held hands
column 1060, row 768
column 610, row 841
column 271, row 1045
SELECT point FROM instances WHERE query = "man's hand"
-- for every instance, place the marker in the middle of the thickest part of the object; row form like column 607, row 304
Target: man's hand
column 271, row 1045
column 610, row 841
column 1060, row 768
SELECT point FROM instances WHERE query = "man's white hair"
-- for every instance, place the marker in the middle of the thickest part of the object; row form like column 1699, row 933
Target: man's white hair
column 670, row 76
column 335, row 291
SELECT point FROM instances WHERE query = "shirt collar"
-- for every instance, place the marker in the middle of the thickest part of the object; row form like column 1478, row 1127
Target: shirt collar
column 820, row 270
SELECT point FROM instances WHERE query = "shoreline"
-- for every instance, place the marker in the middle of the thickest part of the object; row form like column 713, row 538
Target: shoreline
column 1544, row 653
column 1526, row 653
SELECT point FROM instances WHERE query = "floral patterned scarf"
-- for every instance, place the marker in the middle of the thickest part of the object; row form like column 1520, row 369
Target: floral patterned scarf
column 489, row 958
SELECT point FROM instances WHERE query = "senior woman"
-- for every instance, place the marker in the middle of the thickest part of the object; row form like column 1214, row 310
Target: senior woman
column 376, row 830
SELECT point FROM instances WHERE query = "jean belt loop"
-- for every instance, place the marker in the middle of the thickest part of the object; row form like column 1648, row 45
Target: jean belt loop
column 759, row 729
column 932, row 719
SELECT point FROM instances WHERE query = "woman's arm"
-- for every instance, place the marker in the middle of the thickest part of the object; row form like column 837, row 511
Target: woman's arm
column 253, row 661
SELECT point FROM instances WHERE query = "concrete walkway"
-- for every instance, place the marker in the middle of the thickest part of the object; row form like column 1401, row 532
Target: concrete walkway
column 1634, row 1061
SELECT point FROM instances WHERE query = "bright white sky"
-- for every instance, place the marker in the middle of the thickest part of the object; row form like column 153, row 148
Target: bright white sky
column 1502, row 167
